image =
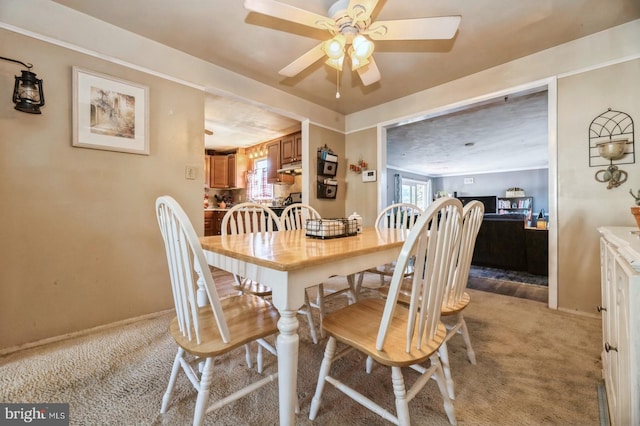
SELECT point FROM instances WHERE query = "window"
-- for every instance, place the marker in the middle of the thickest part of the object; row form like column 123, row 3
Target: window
column 416, row 192
column 257, row 187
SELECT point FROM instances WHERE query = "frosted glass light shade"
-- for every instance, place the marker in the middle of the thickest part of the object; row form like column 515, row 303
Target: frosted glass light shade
column 335, row 63
column 362, row 47
column 357, row 62
column 334, row 48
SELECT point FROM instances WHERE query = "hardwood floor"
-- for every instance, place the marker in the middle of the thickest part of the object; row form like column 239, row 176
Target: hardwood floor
column 538, row 293
column 224, row 282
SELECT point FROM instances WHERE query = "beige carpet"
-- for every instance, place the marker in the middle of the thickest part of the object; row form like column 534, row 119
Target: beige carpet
column 535, row 367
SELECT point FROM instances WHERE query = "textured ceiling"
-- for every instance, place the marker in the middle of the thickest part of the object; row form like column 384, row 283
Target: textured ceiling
column 504, row 134
column 224, row 33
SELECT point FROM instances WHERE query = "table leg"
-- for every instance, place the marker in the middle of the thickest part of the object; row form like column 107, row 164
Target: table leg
column 287, row 346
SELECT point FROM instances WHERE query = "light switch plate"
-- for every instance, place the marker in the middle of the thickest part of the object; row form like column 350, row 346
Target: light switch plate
column 190, row 172
column 368, row 175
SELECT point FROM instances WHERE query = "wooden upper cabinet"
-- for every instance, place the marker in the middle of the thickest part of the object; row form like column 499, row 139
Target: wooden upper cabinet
column 219, row 175
column 274, row 162
column 298, row 145
column 291, row 148
column 207, row 171
column 238, row 165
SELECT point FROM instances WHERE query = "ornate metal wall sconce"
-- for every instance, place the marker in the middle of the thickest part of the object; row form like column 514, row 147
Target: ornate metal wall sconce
column 611, row 140
column 27, row 91
column 612, row 150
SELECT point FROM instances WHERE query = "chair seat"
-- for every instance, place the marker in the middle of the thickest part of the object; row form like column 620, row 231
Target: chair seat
column 250, row 318
column 457, row 307
column 357, row 325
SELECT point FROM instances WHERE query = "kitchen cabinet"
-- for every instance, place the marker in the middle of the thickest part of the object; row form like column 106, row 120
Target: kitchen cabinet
column 274, row 162
column 213, row 222
column 620, row 279
column 291, row 148
column 226, row 170
column 219, row 171
column 237, row 167
column 207, row 171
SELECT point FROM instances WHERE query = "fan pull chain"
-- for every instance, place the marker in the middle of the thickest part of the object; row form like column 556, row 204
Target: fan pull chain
column 337, row 84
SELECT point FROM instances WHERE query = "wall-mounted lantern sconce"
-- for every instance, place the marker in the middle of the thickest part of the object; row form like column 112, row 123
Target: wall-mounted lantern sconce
column 27, row 91
column 612, row 150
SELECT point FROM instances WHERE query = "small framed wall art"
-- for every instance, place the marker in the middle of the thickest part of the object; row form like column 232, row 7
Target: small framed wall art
column 109, row 113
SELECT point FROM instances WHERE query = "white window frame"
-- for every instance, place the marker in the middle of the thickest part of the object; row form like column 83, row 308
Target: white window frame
column 258, row 188
column 413, row 187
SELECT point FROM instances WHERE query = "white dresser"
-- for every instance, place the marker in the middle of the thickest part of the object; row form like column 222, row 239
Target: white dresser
column 620, row 309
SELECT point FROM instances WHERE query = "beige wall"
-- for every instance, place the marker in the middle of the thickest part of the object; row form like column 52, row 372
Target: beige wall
column 362, row 197
column 319, row 137
column 80, row 242
column 583, row 203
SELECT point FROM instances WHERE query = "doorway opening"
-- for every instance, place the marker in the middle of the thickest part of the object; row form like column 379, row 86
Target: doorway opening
column 448, row 184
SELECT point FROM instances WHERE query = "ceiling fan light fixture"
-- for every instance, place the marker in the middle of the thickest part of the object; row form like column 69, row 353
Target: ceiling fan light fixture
column 334, row 48
column 336, row 63
column 357, row 62
column 362, row 47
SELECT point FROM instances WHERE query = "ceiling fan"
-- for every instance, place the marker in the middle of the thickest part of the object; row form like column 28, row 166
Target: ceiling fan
column 349, row 22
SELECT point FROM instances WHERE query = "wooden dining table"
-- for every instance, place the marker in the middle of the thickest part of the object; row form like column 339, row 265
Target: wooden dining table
column 289, row 262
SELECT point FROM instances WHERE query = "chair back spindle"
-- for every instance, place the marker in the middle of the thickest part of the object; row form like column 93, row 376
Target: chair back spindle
column 295, row 216
column 187, row 265
column 472, row 216
column 398, row 215
column 432, row 243
column 245, row 218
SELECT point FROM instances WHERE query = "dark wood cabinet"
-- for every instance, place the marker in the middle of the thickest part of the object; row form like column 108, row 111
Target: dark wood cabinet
column 291, row 148
column 226, row 170
column 213, row 222
column 274, row 162
column 219, row 171
column 237, row 167
column 537, row 241
column 207, row 171
column 208, row 223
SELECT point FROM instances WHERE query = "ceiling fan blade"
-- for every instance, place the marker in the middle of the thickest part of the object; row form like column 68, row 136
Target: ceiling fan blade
column 369, row 73
column 443, row 27
column 303, row 61
column 290, row 13
column 360, row 10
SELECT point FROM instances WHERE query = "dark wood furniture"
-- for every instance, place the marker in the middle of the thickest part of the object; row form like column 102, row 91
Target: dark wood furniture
column 274, row 162
column 505, row 243
column 213, row 222
column 291, row 148
column 537, row 242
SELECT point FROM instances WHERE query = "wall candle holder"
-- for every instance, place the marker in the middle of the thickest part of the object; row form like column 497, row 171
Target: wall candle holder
column 612, row 150
column 611, row 143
